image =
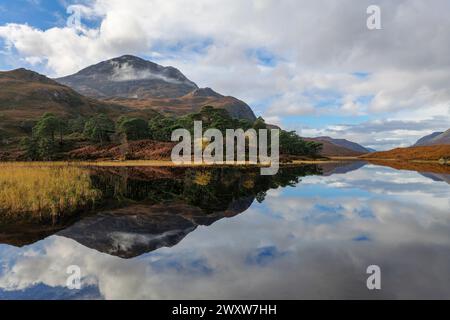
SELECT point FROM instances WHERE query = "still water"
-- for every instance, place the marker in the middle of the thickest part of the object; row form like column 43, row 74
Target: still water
column 309, row 233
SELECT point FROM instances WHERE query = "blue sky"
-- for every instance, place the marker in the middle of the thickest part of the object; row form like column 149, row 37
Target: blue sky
column 377, row 88
column 43, row 14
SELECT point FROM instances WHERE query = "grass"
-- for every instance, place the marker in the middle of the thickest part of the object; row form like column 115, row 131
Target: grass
column 44, row 190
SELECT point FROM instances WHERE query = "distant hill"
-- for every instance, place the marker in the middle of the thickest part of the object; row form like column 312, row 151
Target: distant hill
column 340, row 147
column 346, row 144
column 435, row 138
column 26, row 95
column 412, row 153
column 141, row 84
column 330, row 149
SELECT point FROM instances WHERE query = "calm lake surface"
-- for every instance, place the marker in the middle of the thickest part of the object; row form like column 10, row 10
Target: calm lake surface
column 309, row 233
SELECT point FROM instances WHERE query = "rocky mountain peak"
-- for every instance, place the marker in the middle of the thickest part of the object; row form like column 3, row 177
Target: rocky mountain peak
column 129, row 77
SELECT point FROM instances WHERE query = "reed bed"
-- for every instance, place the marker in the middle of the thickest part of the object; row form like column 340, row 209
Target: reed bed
column 44, row 190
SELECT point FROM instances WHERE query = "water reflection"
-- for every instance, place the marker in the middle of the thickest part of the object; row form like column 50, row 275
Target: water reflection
column 308, row 239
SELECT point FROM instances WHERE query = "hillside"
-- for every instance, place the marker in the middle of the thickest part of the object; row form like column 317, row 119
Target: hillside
column 346, row 144
column 142, row 85
column 26, row 95
column 424, row 153
column 436, row 138
column 192, row 102
column 330, row 149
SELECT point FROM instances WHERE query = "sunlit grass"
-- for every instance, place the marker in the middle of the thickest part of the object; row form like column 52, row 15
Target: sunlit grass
column 44, row 190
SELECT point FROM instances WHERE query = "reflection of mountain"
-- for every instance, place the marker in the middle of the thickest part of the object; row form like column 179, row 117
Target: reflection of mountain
column 341, row 167
column 134, row 230
column 436, row 176
column 143, row 209
column 428, row 167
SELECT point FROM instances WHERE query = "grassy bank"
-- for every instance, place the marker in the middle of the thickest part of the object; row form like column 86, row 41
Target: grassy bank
column 44, row 190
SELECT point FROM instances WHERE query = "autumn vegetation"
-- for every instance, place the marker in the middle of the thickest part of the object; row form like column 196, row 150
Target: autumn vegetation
column 100, row 137
column 44, row 190
column 423, row 153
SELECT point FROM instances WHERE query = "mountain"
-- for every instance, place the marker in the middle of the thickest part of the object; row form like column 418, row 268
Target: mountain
column 331, row 150
column 26, row 95
column 142, row 84
column 129, row 77
column 339, row 147
column 347, row 144
column 435, row 138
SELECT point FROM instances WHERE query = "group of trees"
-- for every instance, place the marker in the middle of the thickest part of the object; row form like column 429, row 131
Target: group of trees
column 51, row 132
column 47, row 137
column 292, row 144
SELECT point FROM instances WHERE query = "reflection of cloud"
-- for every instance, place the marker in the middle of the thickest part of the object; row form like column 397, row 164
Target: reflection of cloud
column 277, row 249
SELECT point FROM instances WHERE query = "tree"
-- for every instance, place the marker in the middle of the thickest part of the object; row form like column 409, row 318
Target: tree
column 293, row 144
column 161, row 128
column 133, row 129
column 31, row 148
column 259, row 123
column 47, row 149
column 98, row 128
column 77, row 125
column 49, row 126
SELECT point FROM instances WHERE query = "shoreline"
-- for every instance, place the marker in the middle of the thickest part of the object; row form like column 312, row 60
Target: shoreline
column 155, row 163
column 169, row 163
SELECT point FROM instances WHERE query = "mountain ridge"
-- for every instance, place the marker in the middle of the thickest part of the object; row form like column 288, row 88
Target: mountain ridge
column 436, row 138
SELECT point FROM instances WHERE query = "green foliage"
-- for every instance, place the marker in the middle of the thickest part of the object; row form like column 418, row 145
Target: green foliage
column 43, row 144
column 99, row 128
column 259, row 123
column 47, row 149
column 48, row 127
column 39, row 149
column 133, row 128
column 31, row 148
column 293, row 144
column 161, row 127
column 76, row 125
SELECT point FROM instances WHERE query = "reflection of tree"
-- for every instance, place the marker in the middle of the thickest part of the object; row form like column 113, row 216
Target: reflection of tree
column 211, row 190
column 159, row 200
